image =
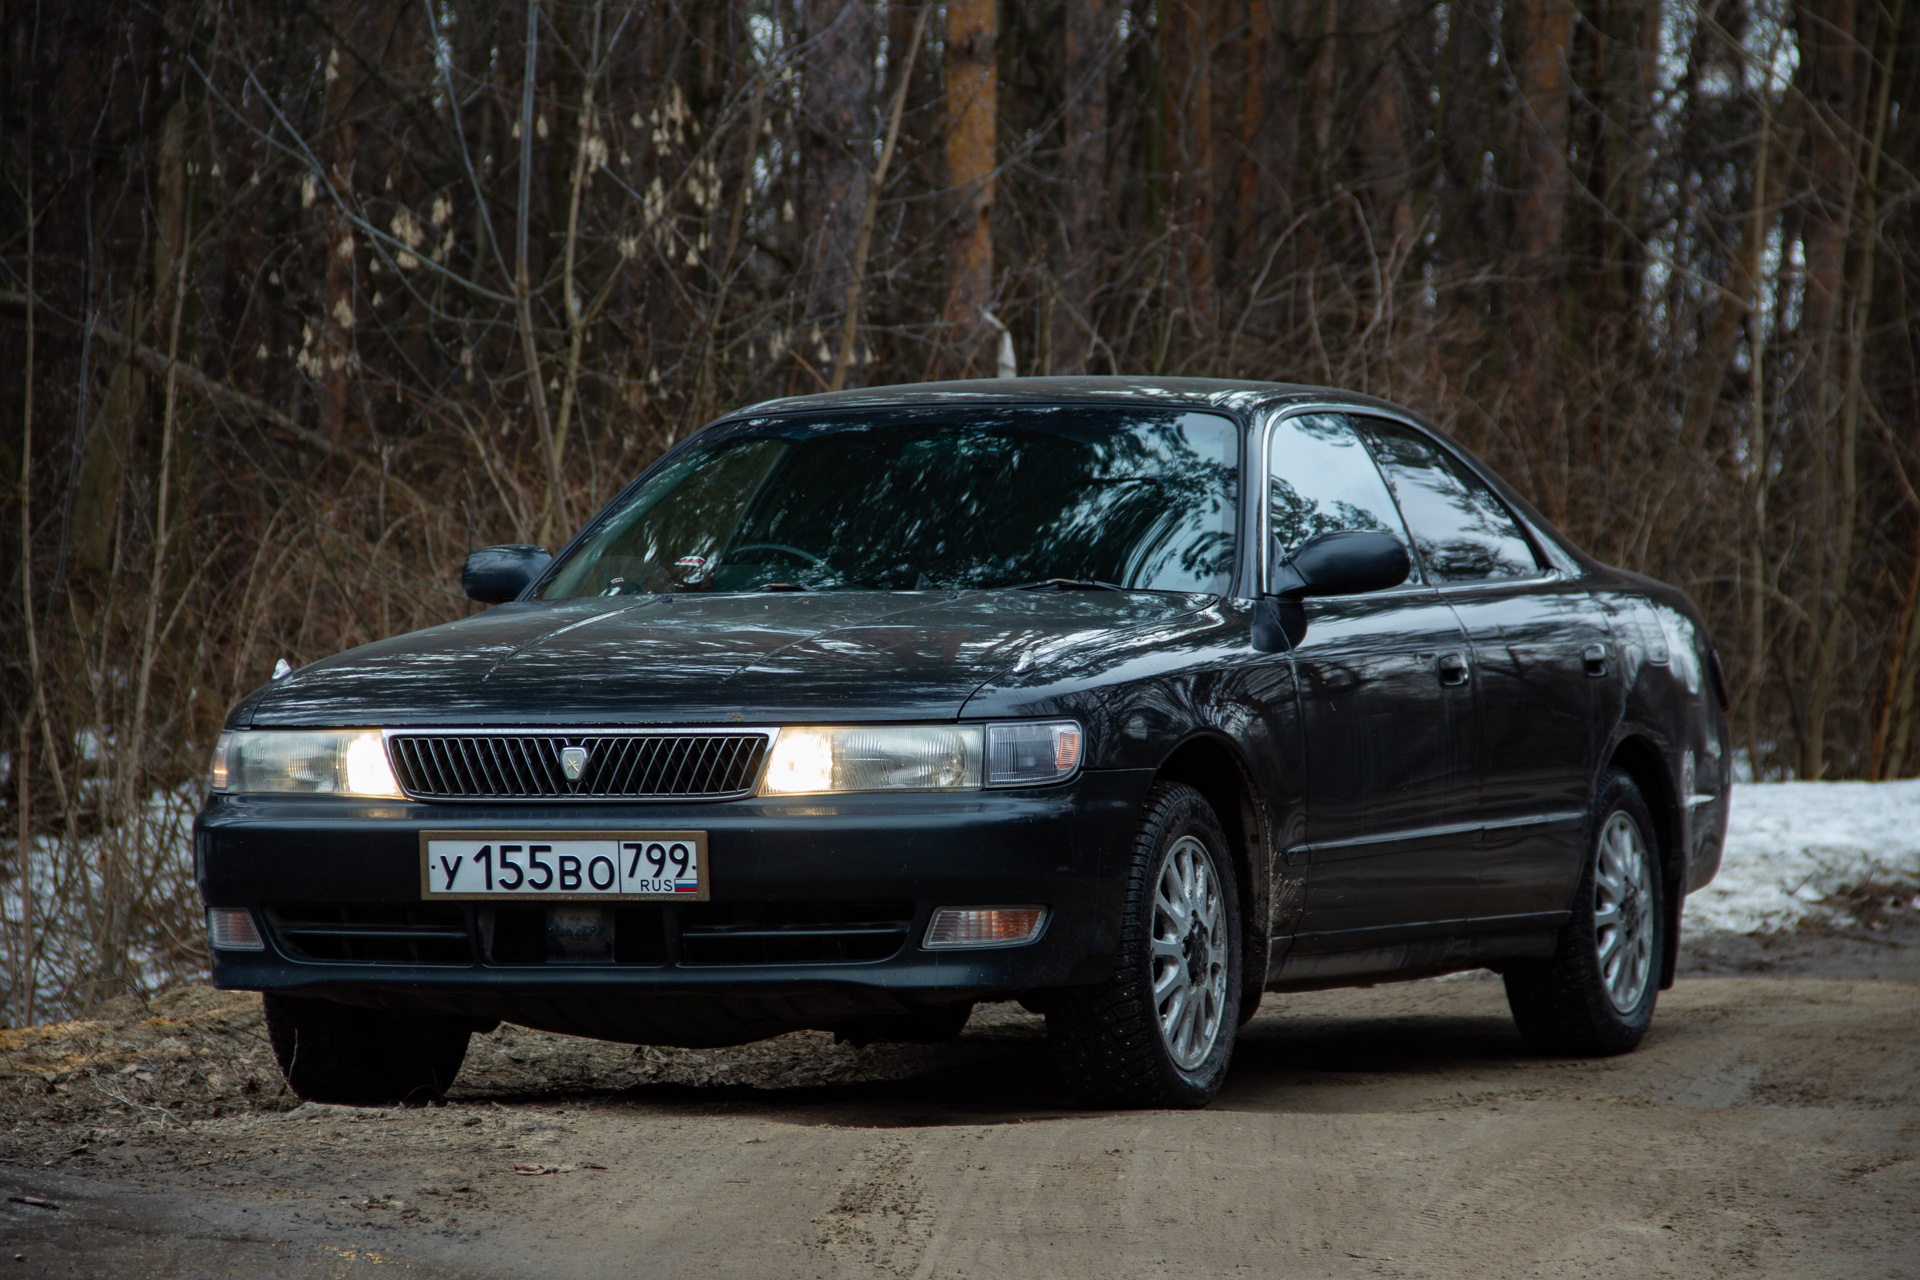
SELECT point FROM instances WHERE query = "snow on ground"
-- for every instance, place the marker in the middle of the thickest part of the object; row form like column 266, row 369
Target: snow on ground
column 1791, row 845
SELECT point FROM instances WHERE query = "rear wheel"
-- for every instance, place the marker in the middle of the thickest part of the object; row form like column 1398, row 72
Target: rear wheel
column 1160, row 1032
column 332, row 1052
column 1596, row 995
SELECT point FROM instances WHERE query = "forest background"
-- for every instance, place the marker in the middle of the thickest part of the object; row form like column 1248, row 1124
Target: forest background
column 302, row 299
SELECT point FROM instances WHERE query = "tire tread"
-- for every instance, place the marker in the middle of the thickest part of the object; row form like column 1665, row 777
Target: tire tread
column 1105, row 1040
column 1560, row 1004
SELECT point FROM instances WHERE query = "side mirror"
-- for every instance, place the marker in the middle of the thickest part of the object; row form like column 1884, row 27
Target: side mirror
column 494, row 575
column 1342, row 564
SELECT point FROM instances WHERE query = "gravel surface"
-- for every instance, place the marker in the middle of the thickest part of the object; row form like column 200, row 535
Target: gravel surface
column 1769, row 1126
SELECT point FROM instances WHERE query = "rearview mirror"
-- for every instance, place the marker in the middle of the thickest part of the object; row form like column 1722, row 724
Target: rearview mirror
column 1342, row 564
column 494, row 575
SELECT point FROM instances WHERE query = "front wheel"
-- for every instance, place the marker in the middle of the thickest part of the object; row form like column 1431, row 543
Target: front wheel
column 1160, row 1031
column 1595, row 997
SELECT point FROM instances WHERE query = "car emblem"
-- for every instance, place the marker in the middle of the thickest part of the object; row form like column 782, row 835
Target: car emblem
column 573, row 761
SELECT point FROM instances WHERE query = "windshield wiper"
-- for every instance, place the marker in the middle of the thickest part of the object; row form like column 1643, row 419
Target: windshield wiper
column 783, row 586
column 1064, row 584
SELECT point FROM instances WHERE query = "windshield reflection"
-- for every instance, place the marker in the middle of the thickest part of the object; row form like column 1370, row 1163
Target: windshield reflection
column 928, row 501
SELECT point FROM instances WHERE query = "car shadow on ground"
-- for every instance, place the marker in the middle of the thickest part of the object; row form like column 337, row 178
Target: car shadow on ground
column 1004, row 1073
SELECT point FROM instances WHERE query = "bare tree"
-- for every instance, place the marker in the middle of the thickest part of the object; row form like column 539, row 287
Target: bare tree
column 1091, row 45
column 971, row 92
column 1542, row 32
column 1188, row 30
column 837, row 123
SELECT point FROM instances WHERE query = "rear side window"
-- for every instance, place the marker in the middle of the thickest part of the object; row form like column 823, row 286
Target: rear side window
column 1461, row 529
column 1320, row 479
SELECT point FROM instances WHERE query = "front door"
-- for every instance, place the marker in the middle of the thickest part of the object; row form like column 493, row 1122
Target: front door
column 1387, row 706
column 1386, row 701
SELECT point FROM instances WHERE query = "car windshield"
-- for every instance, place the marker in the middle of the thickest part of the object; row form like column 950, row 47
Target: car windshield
column 925, row 500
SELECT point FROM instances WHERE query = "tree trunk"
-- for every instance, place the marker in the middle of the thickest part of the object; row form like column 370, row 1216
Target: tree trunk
column 340, row 286
column 1264, row 138
column 1091, row 46
column 1833, row 55
column 1186, row 36
column 1542, row 33
column 1744, row 269
column 1381, row 142
column 840, row 40
column 1463, row 117
column 972, row 93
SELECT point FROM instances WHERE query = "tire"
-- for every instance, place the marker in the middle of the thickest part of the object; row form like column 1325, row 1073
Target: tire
column 331, row 1052
column 1112, row 1042
column 1595, row 997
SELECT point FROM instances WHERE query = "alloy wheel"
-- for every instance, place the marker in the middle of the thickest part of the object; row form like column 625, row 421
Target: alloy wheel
column 1189, row 953
column 1622, row 913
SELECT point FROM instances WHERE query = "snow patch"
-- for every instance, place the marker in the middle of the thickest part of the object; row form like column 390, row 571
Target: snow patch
column 1791, row 845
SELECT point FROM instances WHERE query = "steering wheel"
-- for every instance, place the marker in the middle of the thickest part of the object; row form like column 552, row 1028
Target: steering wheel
column 781, row 547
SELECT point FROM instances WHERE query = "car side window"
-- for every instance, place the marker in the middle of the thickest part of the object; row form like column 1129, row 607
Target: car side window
column 1461, row 529
column 1320, row 479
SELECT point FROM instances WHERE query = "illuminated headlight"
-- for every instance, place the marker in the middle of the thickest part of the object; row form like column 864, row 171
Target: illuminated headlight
column 874, row 758
column 921, row 757
column 342, row 762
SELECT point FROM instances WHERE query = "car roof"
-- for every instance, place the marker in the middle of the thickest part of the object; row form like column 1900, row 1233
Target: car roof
column 1199, row 393
column 1234, row 395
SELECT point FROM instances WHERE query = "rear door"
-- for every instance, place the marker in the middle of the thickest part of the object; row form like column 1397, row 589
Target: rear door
column 1387, row 714
column 1542, row 660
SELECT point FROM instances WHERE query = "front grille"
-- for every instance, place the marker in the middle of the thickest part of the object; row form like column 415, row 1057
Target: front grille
column 725, row 933
column 618, row 766
column 399, row 933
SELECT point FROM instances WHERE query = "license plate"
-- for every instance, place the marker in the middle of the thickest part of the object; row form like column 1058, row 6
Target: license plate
column 564, row 865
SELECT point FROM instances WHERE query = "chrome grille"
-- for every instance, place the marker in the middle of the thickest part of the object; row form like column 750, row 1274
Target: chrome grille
column 619, row 766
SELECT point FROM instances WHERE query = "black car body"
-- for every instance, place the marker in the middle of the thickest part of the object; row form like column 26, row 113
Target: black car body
column 1405, row 777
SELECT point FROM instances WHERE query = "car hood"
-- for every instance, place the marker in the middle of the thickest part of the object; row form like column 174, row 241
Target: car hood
column 762, row 658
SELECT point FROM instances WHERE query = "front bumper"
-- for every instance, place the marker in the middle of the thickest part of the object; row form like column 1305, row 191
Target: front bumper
column 1062, row 847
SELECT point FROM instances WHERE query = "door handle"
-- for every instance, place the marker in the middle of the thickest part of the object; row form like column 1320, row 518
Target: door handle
column 1453, row 668
column 1594, row 658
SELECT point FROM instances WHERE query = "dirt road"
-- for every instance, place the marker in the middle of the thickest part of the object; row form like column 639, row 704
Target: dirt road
column 1770, row 1126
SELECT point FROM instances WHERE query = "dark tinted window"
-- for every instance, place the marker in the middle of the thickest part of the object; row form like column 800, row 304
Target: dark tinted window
column 1462, row 530
column 1320, row 479
column 918, row 500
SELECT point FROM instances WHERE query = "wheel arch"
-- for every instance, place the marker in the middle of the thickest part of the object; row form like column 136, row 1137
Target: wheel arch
column 1214, row 767
column 1641, row 759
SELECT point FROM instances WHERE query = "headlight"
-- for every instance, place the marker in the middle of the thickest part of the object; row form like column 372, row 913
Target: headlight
column 875, row 758
column 921, row 757
column 344, row 762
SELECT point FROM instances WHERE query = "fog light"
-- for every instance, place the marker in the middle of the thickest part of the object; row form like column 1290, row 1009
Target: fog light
column 231, row 929
column 955, row 927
